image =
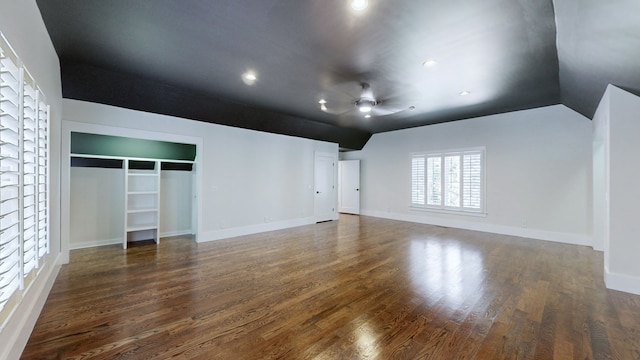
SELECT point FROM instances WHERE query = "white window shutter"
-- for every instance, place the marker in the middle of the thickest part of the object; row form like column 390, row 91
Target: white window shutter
column 452, row 181
column 24, row 171
column 434, row 181
column 30, row 255
column 472, row 180
column 417, row 180
column 449, row 180
column 10, row 235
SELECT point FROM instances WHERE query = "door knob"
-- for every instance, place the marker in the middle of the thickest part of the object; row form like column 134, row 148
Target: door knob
column 317, row 192
column 357, row 189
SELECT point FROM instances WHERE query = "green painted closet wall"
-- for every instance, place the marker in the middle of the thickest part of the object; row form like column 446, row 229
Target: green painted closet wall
column 107, row 145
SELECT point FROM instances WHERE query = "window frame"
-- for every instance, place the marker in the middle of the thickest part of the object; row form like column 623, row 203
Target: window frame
column 442, row 196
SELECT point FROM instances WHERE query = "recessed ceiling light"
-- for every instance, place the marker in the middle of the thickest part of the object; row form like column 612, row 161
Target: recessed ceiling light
column 464, row 93
column 249, row 77
column 322, row 101
column 367, row 116
column 359, row 5
column 411, row 108
column 429, row 63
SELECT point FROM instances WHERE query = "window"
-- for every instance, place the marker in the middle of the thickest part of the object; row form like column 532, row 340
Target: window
column 24, row 151
column 448, row 180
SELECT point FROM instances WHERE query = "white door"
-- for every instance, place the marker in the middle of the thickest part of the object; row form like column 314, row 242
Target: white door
column 324, row 183
column 349, row 186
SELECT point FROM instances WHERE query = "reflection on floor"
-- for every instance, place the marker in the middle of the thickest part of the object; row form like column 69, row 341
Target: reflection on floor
column 360, row 287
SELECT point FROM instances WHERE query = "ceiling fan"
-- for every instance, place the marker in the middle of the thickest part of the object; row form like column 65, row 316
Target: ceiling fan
column 365, row 103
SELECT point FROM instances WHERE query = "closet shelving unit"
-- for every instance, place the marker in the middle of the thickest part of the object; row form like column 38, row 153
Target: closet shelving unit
column 142, row 202
column 142, row 161
column 142, row 185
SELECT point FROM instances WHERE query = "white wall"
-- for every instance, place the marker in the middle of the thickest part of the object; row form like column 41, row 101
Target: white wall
column 538, row 173
column 601, row 175
column 97, row 207
column 251, row 181
column 21, row 23
column 622, row 248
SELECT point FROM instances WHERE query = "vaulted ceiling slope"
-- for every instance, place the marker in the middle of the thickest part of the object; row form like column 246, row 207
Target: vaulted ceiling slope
column 418, row 62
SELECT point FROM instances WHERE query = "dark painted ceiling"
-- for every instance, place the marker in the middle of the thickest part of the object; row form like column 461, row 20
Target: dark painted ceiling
column 186, row 58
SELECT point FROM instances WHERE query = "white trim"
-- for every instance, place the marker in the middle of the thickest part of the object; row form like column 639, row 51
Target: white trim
column 445, row 211
column 566, row 238
column 176, row 233
column 621, row 282
column 90, row 244
column 254, row 229
column 448, row 151
column 118, row 241
column 24, row 316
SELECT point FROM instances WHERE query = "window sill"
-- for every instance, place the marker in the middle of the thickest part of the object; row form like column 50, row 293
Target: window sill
column 450, row 212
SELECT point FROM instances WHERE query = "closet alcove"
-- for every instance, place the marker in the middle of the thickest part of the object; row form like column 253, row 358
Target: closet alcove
column 124, row 190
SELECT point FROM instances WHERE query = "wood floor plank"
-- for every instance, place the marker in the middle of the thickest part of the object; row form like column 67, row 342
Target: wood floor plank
column 358, row 288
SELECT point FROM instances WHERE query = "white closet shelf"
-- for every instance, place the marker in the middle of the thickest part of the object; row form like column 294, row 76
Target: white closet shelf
column 141, row 174
column 137, row 211
column 142, row 227
column 142, row 192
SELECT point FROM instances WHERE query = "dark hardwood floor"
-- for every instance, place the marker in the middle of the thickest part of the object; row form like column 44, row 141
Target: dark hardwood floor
column 358, row 288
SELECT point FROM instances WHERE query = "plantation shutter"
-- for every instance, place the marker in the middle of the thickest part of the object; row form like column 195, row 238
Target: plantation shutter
column 24, row 172
column 43, row 177
column 434, row 180
column 10, row 240
column 452, row 181
column 449, row 180
column 472, row 180
column 417, row 180
column 30, row 256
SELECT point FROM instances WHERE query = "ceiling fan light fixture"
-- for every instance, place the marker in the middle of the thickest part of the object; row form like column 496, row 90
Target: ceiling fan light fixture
column 365, row 105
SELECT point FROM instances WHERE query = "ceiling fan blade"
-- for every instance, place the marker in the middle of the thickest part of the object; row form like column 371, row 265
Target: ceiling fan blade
column 391, row 105
column 350, row 90
column 336, row 110
column 380, row 110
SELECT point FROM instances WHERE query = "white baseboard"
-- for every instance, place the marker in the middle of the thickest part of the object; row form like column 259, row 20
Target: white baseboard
column 96, row 243
column 621, row 282
column 254, row 229
column 176, row 233
column 565, row 238
column 15, row 334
